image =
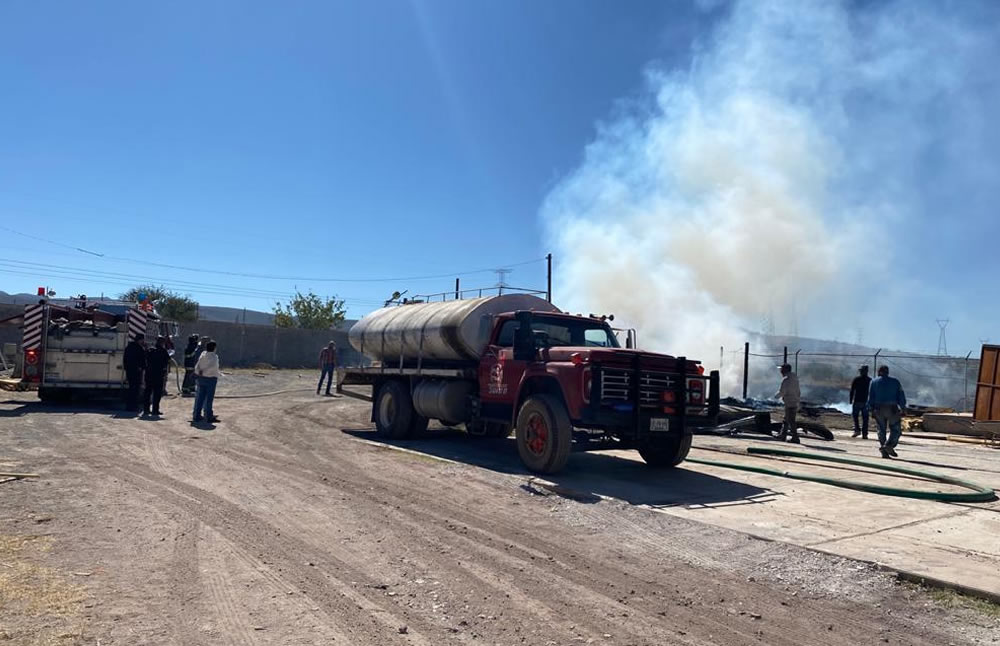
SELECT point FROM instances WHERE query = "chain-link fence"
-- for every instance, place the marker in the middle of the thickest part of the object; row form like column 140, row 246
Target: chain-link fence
column 825, row 377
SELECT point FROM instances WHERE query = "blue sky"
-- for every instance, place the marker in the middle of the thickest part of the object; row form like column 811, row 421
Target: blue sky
column 403, row 138
column 314, row 139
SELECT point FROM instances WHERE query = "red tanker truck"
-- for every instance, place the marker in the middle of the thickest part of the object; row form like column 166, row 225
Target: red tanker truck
column 515, row 362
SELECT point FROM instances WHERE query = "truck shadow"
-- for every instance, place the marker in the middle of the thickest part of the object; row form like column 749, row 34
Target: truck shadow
column 588, row 476
column 110, row 408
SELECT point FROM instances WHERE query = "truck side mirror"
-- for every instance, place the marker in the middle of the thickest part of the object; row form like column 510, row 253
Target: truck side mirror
column 524, row 338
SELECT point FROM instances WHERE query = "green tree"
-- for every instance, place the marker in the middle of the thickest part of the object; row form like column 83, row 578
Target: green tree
column 309, row 311
column 170, row 305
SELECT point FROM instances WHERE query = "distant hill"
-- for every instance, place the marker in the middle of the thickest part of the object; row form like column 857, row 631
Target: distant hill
column 17, row 299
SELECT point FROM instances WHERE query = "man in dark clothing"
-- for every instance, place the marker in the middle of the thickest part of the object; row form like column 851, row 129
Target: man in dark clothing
column 134, row 362
column 859, row 402
column 887, row 402
column 327, row 366
column 191, row 355
column 157, row 361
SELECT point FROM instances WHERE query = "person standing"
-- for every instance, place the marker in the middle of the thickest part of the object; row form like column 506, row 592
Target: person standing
column 859, row 402
column 207, row 373
column 887, row 402
column 327, row 366
column 190, row 359
column 157, row 362
column 790, row 394
column 168, row 345
column 134, row 363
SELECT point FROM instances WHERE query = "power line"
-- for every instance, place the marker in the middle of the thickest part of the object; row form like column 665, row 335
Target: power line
column 53, row 242
column 124, row 282
column 203, row 270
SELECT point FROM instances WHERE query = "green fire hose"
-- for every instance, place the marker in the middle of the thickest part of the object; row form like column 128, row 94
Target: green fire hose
column 978, row 493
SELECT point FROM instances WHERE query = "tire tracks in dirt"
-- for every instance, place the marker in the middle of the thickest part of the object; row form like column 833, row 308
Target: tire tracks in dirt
column 795, row 629
column 185, row 586
column 257, row 536
column 534, row 566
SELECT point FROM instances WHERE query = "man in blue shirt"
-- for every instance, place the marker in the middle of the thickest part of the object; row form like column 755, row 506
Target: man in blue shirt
column 887, row 402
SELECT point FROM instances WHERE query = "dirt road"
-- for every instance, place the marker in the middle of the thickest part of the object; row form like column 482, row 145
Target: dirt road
column 284, row 525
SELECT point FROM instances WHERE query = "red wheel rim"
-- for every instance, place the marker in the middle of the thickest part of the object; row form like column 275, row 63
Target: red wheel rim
column 538, row 434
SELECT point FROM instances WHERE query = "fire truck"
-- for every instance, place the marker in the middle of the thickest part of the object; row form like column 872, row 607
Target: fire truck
column 75, row 347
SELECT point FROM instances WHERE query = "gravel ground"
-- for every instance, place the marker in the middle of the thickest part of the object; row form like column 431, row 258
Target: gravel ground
column 280, row 526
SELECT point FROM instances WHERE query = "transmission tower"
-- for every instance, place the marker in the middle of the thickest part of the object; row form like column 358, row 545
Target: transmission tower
column 942, row 341
column 502, row 278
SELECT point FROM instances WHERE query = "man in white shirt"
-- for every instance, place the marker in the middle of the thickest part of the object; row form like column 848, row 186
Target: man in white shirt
column 790, row 394
column 207, row 373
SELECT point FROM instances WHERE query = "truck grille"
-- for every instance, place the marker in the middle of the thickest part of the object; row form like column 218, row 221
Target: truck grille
column 616, row 385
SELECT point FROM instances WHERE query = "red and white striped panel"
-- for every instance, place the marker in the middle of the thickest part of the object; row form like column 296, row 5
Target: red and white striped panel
column 136, row 323
column 34, row 319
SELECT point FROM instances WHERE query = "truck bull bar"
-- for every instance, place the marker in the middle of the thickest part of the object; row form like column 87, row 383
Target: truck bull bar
column 632, row 414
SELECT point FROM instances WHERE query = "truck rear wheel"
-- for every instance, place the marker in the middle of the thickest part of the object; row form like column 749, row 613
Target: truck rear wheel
column 394, row 415
column 666, row 452
column 544, row 434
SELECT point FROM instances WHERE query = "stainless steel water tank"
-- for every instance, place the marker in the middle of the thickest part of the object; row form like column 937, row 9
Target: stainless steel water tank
column 451, row 330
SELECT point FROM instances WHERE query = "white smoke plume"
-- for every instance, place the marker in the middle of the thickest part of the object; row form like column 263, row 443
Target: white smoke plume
column 743, row 185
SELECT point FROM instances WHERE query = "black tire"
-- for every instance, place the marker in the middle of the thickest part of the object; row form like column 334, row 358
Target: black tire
column 666, row 452
column 394, row 414
column 544, row 434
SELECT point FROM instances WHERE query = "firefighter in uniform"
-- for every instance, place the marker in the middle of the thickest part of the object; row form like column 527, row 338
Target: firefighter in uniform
column 157, row 362
column 134, row 363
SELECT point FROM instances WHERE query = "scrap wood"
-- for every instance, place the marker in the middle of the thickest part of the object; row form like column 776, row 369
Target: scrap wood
column 981, row 441
column 929, row 436
column 18, row 475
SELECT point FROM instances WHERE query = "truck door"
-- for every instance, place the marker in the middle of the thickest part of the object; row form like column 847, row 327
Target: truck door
column 500, row 374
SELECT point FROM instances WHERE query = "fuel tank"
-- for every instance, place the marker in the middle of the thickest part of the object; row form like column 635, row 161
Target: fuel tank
column 448, row 331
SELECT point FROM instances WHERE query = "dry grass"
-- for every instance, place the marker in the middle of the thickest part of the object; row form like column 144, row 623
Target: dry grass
column 951, row 599
column 38, row 606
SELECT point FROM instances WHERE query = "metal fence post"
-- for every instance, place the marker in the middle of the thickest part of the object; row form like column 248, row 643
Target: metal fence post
column 746, row 367
column 797, row 360
column 548, row 282
column 875, row 368
column 965, row 400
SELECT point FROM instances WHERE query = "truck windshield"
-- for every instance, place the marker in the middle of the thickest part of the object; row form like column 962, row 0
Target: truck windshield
column 553, row 332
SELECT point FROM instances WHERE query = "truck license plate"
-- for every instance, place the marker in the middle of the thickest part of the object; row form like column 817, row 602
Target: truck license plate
column 659, row 424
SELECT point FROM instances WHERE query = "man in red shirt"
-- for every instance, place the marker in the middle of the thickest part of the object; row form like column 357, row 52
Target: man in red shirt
column 327, row 366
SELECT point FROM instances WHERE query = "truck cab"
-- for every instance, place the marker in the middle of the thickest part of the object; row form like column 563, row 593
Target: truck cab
column 544, row 371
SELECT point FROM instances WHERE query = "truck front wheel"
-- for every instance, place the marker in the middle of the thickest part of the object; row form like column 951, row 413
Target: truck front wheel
column 544, row 434
column 394, row 415
column 665, row 452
